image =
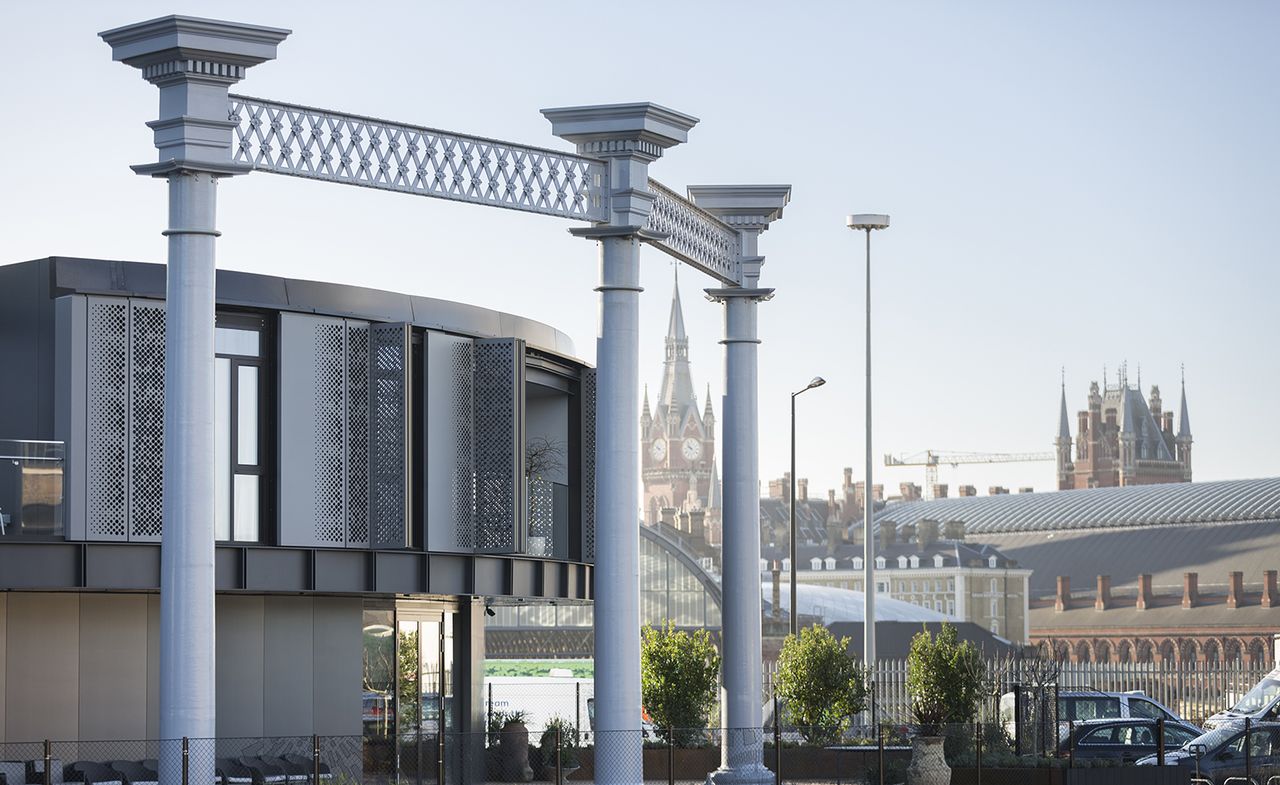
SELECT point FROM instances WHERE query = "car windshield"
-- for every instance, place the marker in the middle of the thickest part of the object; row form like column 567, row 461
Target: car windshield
column 1259, row 697
column 1210, row 740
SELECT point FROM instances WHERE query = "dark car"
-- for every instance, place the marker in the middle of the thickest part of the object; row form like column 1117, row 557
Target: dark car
column 1125, row 739
column 1220, row 754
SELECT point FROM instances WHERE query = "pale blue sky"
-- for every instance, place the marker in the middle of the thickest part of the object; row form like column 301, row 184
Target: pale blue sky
column 1071, row 184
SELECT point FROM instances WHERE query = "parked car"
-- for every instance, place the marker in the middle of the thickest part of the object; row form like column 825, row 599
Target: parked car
column 1262, row 703
column 1125, row 739
column 1087, row 705
column 1218, row 756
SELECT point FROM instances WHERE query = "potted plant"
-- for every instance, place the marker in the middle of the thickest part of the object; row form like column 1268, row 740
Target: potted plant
column 559, row 742
column 944, row 688
column 512, row 751
column 678, row 682
column 820, row 684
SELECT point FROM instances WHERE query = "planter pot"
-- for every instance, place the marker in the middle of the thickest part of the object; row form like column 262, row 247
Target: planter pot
column 928, row 766
column 513, row 753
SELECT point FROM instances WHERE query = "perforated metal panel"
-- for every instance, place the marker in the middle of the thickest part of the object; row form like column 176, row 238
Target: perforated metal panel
column 462, row 422
column 499, row 434
column 357, row 334
column 329, row 416
column 542, row 521
column 388, row 416
column 146, row 419
column 589, row 464
column 107, row 356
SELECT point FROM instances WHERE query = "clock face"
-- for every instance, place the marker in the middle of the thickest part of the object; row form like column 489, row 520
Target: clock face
column 692, row 448
column 659, row 449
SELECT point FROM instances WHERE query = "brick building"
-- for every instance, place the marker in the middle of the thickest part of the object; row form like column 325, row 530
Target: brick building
column 1122, row 439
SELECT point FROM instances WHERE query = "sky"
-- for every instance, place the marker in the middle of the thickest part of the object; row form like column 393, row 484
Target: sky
column 1071, row 185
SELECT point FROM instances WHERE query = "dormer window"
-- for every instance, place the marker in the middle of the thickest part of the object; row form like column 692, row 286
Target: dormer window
column 857, row 562
column 786, row 565
column 764, row 566
column 815, row 563
column 902, row 562
column 880, row 562
column 991, row 561
column 830, row 563
column 937, row 560
column 915, row 561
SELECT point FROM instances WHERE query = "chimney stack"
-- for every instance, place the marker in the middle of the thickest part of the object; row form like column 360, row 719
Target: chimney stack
column 939, row 490
column 927, row 533
column 888, row 533
column 1144, row 591
column 1026, row 489
column 1103, row 601
column 802, row 489
column 967, row 490
column 1063, row 600
column 1269, row 589
column 955, row 531
column 1190, row 589
column 997, row 490
column 1235, row 589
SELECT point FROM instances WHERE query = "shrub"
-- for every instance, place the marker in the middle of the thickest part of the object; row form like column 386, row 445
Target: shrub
column 568, row 743
column 944, row 679
column 678, row 680
column 822, row 686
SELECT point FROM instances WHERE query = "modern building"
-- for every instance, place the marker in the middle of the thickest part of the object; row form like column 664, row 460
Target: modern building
column 1122, row 439
column 387, row 466
column 678, row 443
column 1173, row 572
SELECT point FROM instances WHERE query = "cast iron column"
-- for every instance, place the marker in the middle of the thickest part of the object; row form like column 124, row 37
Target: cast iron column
column 193, row 62
column 749, row 209
column 628, row 137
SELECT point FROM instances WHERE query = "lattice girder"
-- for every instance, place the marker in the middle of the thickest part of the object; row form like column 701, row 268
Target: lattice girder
column 322, row 145
column 694, row 235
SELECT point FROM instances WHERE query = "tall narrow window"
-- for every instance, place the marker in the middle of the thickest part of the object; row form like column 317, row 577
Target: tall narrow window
column 238, row 447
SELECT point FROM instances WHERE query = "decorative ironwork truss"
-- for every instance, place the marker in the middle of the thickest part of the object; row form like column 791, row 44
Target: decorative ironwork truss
column 322, row 145
column 318, row 144
column 694, row 235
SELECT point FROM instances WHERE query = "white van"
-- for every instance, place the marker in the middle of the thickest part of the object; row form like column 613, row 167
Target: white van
column 1260, row 703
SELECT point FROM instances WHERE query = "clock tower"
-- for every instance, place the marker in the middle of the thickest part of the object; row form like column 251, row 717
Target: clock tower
column 678, row 466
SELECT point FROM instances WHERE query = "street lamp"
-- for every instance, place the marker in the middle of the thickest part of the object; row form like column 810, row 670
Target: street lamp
column 818, row 381
column 866, row 222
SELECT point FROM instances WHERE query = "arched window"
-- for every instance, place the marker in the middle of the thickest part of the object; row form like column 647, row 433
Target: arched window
column 1102, row 651
column 880, row 564
column 786, row 565
column 815, row 563
column 1084, row 653
column 1257, row 651
column 1124, row 652
column 857, row 562
column 1167, row 651
column 915, row 561
column 991, row 562
column 1212, row 651
column 830, row 562
column 1188, row 651
column 937, row 560
column 902, row 562
column 1146, row 651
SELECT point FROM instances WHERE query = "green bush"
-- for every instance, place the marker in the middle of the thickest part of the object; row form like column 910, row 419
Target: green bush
column 568, row 744
column 944, row 679
column 821, row 685
column 678, row 680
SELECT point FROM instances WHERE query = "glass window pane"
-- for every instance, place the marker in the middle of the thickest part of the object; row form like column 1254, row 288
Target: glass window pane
column 232, row 340
column 246, row 507
column 222, row 448
column 247, row 415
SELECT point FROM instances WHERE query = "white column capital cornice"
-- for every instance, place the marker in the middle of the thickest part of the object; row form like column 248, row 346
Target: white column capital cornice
column 194, row 62
column 751, row 207
column 628, row 137
column 737, row 292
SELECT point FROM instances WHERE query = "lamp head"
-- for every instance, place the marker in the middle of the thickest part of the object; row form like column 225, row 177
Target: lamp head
column 818, row 381
column 867, row 221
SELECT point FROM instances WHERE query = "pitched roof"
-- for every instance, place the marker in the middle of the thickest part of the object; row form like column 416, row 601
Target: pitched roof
column 1136, row 505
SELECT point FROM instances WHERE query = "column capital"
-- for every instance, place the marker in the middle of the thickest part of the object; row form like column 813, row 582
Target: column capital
column 628, row 137
column 194, row 62
column 749, row 209
column 737, row 292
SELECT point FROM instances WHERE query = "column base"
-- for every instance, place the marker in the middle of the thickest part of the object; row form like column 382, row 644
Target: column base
column 750, row 774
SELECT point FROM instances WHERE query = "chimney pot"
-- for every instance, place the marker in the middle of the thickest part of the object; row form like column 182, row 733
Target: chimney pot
column 1144, row 592
column 1235, row 589
column 1063, row 600
column 1190, row 589
column 1103, row 601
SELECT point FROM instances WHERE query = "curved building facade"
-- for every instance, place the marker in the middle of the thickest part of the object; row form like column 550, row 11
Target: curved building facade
column 386, row 466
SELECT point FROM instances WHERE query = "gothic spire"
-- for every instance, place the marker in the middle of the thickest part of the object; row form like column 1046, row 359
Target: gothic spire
column 1064, row 422
column 644, row 413
column 1184, row 422
column 707, row 414
column 677, row 382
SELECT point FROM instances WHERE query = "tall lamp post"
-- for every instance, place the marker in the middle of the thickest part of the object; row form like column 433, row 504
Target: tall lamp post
column 818, row 381
column 867, row 222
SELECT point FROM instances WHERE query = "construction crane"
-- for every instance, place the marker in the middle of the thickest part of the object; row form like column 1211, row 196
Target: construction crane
column 930, row 459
